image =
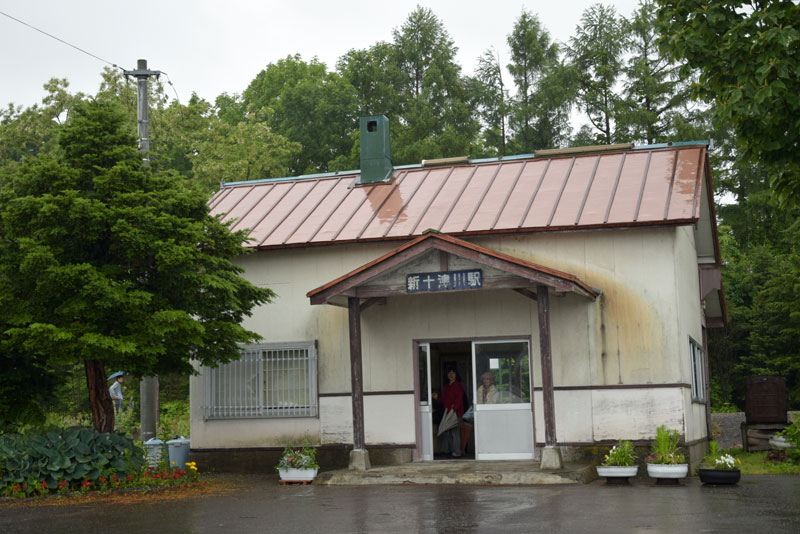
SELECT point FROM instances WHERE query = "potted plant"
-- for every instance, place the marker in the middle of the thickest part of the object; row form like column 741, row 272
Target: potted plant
column 718, row 467
column 298, row 464
column 619, row 464
column 665, row 463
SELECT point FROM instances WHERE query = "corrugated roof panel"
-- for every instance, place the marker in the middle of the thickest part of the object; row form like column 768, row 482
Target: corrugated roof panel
column 298, row 215
column 263, row 198
column 416, row 206
column 626, row 197
column 642, row 186
column 472, row 195
column 495, row 199
column 448, row 194
column 596, row 205
column 656, row 189
column 292, row 194
column 520, row 198
column 370, row 208
column 323, row 212
column 685, row 185
column 343, row 213
column 571, row 199
column 392, row 210
column 230, row 200
column 548, row 192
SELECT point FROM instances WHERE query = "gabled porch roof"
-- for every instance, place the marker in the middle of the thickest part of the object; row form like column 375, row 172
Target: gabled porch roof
column 522, row 275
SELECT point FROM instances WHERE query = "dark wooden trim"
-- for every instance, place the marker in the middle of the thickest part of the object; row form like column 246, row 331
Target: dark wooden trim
column 398, row 392
column 326, row 447
column 618, row 386
column 526, row 293
column 612, row 442
column 444, row 262
column 342, row 394
column 526, row 337
column 547, row 365
column 354, row 308
column 372, row 301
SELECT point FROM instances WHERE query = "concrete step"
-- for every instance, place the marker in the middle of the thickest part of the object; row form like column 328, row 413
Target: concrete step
column 469, row 472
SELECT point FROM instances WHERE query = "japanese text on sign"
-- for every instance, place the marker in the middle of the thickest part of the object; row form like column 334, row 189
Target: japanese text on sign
column 444, row 281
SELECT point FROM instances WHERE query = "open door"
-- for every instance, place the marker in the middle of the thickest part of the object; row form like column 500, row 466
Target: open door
column 425, row 409
column 503, row 400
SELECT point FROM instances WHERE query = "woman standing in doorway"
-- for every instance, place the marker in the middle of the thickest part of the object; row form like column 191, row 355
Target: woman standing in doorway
column 453, row 399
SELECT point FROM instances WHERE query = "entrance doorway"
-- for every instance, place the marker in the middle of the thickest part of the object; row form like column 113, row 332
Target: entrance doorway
column 496, row 379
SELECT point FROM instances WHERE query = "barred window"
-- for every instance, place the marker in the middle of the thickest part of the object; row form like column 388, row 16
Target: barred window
column 698, row 371
column 269, row 380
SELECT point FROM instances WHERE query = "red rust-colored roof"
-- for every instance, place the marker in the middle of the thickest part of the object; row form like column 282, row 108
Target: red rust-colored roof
column 642, row 186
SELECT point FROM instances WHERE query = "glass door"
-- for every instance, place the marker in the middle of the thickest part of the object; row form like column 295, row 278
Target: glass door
column 425, row 412
column 503, row 407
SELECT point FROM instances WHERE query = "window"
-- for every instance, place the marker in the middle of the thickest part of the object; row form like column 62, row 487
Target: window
column 503, row 372
column 269, row 380
column 698, row 371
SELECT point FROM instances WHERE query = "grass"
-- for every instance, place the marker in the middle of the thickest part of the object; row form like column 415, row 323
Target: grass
column 756, row 463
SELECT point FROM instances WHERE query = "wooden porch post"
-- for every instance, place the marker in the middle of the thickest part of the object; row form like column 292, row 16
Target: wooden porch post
column 551, row 457
column 356, row 381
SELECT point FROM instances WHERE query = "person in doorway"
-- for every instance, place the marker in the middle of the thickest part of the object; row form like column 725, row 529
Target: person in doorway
column 453, row 399
column 116, row 394
column 487, row 392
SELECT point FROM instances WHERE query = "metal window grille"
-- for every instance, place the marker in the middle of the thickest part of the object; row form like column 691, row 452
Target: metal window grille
column 269, row 380
column 698, row 370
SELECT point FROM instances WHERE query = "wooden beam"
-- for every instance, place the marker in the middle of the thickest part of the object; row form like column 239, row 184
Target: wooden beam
column 356, row 381
column 372, row 301
column 547, row 366
column 527, row 293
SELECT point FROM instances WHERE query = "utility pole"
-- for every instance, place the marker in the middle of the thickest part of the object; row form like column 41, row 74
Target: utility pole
column 148, row 387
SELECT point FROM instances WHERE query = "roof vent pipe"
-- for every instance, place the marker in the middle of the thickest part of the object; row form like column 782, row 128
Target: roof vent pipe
column 376, row 150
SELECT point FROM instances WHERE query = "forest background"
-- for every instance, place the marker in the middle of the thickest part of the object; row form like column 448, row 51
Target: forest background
column 640, row 78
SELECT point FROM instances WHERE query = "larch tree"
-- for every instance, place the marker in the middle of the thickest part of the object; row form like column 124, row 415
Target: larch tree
column 112, row 264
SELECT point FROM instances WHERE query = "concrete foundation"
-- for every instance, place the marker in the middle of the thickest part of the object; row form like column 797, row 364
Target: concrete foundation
column 359, row 460
column 551, row 458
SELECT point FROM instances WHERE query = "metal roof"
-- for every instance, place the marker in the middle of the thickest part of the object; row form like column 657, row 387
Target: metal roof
column 639, row 186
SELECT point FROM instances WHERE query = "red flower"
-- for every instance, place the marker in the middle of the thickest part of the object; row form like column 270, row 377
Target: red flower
column 102, row 480
column 44, row 484
column 62, row 483
column 114, row 478
column 130, row 477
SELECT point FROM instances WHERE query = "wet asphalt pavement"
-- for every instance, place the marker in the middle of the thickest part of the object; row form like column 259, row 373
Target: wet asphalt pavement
column 757, row 504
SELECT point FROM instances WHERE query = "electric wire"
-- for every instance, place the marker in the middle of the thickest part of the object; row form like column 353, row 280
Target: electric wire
column 61, row 40
column 85, row 52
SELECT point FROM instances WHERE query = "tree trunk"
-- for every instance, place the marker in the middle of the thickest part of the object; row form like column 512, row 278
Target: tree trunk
column 99, row 401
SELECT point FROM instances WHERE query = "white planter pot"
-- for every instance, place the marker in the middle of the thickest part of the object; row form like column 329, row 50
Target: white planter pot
column 779, row 443
column 297, row 474
column 667, row 470
column 617, row 471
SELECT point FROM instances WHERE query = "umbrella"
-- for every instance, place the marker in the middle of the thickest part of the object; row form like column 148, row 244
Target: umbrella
column 115, row 375
column 449, row 420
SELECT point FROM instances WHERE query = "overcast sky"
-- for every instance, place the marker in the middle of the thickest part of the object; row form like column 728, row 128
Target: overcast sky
column 210, row 47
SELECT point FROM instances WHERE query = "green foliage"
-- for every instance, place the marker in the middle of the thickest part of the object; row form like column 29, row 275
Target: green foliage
column 304, row 457
column 596, row 51
column 73, row 454
column 621, row 454
column 716, row 459
column 540, row 110
column 748, row 57
column 665, row 448
column 174, row 420
column 105, row 260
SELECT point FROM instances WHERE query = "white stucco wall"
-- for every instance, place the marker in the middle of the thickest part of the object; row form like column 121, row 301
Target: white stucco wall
column 635, row 334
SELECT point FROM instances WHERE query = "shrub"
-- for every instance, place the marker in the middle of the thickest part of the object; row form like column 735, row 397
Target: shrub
column 620, row 454
column 304, row 457
column 76, row 455
column 665, row 448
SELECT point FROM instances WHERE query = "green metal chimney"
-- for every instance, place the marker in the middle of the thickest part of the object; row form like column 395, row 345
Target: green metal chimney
column 376, row 150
